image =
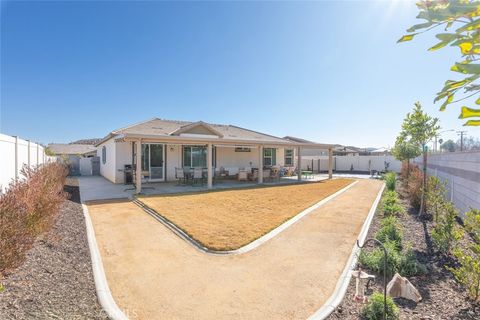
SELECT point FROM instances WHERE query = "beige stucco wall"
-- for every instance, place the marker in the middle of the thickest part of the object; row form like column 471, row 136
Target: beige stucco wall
column 107, row 170
column 123, row 152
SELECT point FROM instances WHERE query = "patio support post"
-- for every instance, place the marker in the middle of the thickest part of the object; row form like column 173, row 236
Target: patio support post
column 299, row 164
column 260, row 164
column 209, row 166
column 330, row 163
column 138, row 169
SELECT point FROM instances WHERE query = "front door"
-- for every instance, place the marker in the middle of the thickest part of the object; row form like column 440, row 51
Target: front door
column 153, row 161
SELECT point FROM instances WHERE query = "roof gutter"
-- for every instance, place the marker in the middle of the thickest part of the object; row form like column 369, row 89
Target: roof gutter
column 186, row 140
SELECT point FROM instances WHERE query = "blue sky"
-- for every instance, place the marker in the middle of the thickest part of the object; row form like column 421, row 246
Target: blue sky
column 326, row 71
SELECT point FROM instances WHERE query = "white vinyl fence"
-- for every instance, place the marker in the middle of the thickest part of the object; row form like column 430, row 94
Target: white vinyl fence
column 461, row 173
column 352, row 163
column 16, row 153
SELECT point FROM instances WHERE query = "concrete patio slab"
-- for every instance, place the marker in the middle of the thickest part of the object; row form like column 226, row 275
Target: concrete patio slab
column 153, row 274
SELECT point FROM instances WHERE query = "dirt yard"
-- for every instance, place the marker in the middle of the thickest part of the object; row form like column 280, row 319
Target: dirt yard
column 154, row 274
column 228, row 220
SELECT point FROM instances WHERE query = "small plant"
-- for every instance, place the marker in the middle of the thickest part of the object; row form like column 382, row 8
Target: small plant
column 472, row 223
column 390, row 180
column 374, row 260
column 435, row 196
column 391, row 230
column 391, row 204
column 2, row 288
column 373, row 310
column 468, row 273
column 409, row 265
column 446, row 233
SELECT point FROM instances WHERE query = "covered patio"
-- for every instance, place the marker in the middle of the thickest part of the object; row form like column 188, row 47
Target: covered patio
column 209, row 155
column 98, row 188
column 246, row 172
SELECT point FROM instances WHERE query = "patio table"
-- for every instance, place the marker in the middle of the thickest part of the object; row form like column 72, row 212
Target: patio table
column 307, row 174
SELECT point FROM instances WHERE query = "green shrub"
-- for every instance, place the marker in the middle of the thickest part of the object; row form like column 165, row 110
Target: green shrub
column 390, row 230
column 435, row 196
column 390, row 180
column 374, row 260
column 472, row 223
column 468, row 273
column 373, row 310
column 446, row 232
column 391, row 204
column 409, row 265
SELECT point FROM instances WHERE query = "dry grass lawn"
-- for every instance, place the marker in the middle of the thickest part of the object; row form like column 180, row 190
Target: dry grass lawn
column 228, row 220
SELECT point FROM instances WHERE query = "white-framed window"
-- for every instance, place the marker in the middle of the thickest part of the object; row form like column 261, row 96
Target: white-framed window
column 104, row 154
column 196, row 156
column 288, row 157
column 269, row 157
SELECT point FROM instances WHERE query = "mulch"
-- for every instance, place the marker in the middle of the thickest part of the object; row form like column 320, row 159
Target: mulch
column 56, row 280
column 443, row 297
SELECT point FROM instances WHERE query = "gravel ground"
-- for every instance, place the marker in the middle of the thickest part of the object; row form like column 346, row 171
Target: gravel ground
column 56, row 280
column 443, row 298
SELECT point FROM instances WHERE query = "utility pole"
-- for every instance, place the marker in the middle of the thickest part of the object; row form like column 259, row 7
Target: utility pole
column 461, row 133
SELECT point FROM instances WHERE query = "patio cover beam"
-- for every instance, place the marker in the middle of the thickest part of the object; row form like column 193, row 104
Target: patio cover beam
column 299, row 164
column 260, row 164
column 209, row 166
column 138, row 169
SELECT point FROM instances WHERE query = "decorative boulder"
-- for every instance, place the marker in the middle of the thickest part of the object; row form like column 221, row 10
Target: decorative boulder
column 401, row 287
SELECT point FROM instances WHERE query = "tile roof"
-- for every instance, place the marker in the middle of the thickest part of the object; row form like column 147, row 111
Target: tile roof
column 162, row 127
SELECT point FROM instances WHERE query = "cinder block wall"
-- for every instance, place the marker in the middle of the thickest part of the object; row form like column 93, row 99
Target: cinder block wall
column 461, row 172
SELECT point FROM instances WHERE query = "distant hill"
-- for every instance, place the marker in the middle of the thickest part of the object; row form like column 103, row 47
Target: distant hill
column 86, row 141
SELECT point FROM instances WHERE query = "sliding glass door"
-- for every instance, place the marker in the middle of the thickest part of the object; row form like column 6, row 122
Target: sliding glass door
column 153, row 168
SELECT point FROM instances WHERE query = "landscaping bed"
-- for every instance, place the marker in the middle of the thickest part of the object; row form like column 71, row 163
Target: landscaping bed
column 443, row 297
column 230, row 219
column 55, row 281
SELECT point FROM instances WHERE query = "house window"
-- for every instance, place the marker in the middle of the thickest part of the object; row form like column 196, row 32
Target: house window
column 288, row 157
column 104, row 154
column 194, row 156
column 269, row 157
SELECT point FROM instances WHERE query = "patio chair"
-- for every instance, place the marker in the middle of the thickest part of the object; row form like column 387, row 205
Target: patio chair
column 198, row 175
column 180, row 176
column 242, row 175
column 266, row 174
column 275, row 175
column 254, row 175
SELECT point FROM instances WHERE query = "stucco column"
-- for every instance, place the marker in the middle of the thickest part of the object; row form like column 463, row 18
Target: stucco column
column 330, row 163
column 299, row 164
column 260, row 164
column 209, row 166
column 138, row 169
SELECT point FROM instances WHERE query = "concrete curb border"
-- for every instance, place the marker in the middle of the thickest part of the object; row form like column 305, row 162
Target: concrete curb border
column 344, row 280
column 252, row 245
column 103, row 292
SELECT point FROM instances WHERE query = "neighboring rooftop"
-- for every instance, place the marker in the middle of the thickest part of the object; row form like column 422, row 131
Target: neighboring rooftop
column 71, row 148
column 86, row 141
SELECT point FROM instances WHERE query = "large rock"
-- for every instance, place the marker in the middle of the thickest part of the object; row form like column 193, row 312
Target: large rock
column 401, row 287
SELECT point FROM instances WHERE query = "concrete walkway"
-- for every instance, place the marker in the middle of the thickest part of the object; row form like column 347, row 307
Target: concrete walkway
column 153, row 274
column 99, row 188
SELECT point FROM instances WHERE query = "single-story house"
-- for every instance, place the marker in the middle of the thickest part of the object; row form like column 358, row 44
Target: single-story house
column 158, row 148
